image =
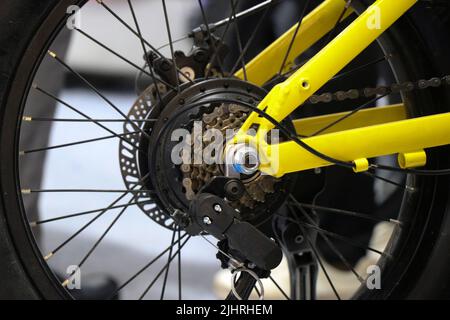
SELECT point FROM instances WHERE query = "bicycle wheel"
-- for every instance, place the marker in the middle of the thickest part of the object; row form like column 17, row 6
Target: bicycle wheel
column 292, row 209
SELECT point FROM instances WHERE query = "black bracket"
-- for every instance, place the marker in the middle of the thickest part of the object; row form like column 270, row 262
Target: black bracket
column 211, row 213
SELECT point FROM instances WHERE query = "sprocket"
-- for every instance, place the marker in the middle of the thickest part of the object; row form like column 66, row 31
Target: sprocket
column 199, row 101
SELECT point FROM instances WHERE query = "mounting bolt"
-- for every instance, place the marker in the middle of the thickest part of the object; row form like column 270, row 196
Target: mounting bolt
column 299, row 239
column 217, row 208
column 244, row 159
column 207, row 220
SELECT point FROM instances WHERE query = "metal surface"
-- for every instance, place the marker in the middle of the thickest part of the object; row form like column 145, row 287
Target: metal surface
column 364, row 118
column 245, row 159
column 195, row 176
column 367, row 142
column 129, row 157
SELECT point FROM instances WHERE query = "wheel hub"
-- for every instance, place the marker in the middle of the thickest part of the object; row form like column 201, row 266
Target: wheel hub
column 211, row 104
column 222, row 119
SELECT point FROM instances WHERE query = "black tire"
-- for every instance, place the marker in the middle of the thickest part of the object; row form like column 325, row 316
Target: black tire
column 27, row 29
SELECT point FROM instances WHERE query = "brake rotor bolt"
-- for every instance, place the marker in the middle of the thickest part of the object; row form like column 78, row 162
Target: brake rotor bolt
column 207, row 220
column 217, row 208
column 299, row 239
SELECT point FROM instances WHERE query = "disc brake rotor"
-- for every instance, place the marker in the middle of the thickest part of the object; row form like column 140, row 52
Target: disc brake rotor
column 129, row 155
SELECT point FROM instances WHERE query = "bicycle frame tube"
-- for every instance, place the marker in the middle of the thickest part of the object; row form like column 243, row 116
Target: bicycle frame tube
column 314, row 26
column 368, row 117
column 355, row 143
column 406, row 137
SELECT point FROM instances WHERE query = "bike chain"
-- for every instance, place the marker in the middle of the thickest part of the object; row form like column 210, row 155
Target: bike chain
column 353, row 94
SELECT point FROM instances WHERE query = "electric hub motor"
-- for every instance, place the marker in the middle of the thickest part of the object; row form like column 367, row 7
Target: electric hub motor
column 209, row 104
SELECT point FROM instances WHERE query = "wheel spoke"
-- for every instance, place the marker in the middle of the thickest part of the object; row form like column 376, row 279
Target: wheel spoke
column 76, row 110
column 250, row 40
column 338, row 22
column 96, row 91
column 148, row 265
column 348, row 115
column 329, row 243
column 243, row 14
column 294, row 36
column 319, row 260
column 162, row 270
column 341, row 211
column 172, row 52
column 360, row 68
column 163, row 289
column 70, row 144
column 337, row 236
column 64, row 243
column 224, row 33
column 238, row 38
column 29, row 191
column 179, row 265
column 208, row 30
column 42, row 119
column 99, row 240
column 330, row 35
column 398, row 185
column 431, row 173
column 120, row 56
column 78, row 214
column 279, row 288
column 141, row 39
column 126, row 25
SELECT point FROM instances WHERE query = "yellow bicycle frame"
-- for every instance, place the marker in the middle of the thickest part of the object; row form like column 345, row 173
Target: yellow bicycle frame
column 371, row 133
